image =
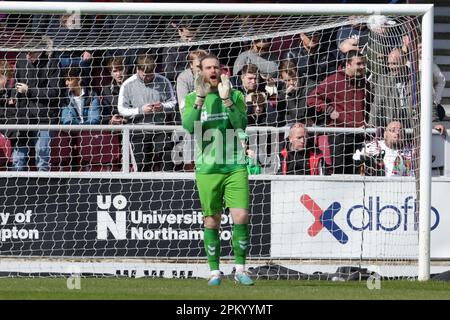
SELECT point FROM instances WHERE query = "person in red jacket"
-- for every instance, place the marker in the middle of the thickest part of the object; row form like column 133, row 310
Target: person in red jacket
column 341, row 99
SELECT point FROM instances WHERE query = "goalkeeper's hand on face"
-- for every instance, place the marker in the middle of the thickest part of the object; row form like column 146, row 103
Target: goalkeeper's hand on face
column 201, row 89
column 224, row 88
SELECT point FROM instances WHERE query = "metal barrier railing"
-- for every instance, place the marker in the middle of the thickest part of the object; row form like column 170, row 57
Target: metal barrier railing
column 180, row 132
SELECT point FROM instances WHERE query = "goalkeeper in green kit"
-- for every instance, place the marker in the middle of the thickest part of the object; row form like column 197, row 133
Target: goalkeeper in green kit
column 216, row 115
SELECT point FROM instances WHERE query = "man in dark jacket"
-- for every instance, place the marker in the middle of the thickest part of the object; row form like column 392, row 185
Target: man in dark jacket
column 110, row 92
column 299, row 155
column 315, row 58
column 38, row 90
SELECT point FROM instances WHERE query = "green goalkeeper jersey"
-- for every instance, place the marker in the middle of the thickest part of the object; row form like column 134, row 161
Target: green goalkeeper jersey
column 216, row 130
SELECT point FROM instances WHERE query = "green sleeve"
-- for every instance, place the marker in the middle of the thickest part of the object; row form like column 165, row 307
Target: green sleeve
column 238, row 111
column 190, row 114
column 253, row 167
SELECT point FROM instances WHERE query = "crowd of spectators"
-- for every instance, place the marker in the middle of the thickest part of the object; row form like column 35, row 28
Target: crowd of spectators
column 322, row 78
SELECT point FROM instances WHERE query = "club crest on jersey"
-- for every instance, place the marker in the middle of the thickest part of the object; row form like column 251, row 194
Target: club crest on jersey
column 204, row 116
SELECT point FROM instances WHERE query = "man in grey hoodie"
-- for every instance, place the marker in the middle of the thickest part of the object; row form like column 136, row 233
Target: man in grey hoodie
column 148, row 97
column 260, row 55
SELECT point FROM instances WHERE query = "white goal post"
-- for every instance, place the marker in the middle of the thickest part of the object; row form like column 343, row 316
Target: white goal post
column 425, row 11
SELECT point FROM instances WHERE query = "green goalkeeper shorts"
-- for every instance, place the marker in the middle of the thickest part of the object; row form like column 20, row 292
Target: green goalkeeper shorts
column 214, row 188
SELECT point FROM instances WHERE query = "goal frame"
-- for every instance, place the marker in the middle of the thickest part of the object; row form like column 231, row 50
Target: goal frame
column 426, row 10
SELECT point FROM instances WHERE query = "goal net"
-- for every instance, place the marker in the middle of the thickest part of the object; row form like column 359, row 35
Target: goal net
column 93, row 182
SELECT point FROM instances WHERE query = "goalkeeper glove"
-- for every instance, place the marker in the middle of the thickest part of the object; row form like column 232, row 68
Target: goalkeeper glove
column 202, row 89
column 271, row 90
column 224, row 88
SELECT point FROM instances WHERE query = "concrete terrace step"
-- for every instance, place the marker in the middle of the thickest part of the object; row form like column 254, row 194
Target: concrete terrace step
column 446, row 92
column 442, row 60
column 446, row 75
column 441, row 52
column 440, row 19
column 441, row 11
column 441, row 44
column 441, row 35
column 442, row 27
column 445, row 100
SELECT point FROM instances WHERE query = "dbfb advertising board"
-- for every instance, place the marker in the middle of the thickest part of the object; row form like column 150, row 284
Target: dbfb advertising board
column 353, row 219
column 290, row 219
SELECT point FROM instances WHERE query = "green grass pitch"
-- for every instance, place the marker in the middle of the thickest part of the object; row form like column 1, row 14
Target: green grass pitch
column 196, row 289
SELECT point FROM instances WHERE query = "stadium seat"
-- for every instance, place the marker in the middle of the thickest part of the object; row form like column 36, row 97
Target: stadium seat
column 61, row 154
column 99, row 151
column 324, row 146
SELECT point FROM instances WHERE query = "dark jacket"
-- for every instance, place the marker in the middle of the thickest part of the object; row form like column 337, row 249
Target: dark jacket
column 294, row 102
column 309, row 161
column 40, row 105
column 110, row 99
column 173, row 61
column 316, row 65
column 393, row 100
column 8, row 112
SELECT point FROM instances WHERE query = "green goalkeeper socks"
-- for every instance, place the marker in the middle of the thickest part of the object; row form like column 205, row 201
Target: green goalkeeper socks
column 212, row 247
column 240, row 242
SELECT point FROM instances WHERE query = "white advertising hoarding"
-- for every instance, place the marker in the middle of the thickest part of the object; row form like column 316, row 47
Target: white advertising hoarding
column 339, row 219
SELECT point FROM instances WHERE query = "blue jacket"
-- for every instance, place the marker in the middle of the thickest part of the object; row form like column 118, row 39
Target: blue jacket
column 90, row 106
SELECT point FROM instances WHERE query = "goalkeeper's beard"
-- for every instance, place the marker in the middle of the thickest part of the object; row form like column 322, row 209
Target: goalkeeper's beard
column 214, row 82
column 214, row 86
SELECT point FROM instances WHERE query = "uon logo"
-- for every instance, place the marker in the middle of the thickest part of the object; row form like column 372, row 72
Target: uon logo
column 105, row 221
column 324, row 218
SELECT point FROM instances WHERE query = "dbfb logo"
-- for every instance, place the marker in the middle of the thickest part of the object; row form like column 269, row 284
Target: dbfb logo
column 378, row 216
column 374, row 215
column 125, row 224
